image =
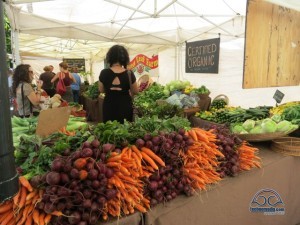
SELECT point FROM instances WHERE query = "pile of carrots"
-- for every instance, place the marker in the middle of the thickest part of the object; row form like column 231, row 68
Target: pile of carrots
column 64, row 130
column 247, row 157
column 200, row 160
column 21, row 209
column 129, row 167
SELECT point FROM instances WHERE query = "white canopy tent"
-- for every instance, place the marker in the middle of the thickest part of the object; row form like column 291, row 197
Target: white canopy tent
column 56, row 29
column 76, row 28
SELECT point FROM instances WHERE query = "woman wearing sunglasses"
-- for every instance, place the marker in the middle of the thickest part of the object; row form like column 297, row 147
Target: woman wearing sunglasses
column 27, row 99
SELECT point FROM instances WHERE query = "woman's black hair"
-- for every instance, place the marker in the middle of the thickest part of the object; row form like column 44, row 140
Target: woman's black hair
column 117, row 54
column 21, row 74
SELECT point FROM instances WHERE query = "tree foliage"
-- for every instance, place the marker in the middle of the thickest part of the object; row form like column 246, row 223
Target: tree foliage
column 7, row 29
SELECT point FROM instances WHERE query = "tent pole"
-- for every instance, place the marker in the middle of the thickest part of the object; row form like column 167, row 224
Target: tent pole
column 16, row 49
column 176, row 62
column 9, row 185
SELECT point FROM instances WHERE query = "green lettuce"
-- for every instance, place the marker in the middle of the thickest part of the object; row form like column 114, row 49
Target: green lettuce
column 248, row 124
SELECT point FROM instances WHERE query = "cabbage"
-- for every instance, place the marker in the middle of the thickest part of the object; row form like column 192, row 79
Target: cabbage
column 248, row 124
column 292, row 128
column 244, row 132
column 284, row 126
column 276, row 118
column 256, row 130
column 268, row 126
column 166, row 92
column 237, row 129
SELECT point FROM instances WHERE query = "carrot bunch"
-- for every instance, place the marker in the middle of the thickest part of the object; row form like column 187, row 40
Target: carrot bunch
column 129, row 167
column 247, row 157
column 22, row 208
column 200, row 159
column 63, row 130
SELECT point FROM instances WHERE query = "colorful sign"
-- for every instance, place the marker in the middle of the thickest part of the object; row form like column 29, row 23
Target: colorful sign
column 141, row 65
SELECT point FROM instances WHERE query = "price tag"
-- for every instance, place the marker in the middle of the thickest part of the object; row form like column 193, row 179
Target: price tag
column 278, row 96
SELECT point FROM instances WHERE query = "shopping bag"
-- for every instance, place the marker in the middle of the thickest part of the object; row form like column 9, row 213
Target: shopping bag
column 60, row 87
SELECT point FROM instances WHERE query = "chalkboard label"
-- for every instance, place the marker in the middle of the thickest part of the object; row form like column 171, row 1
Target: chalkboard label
column 79, row 63
column 202, row 56
column 278, row 96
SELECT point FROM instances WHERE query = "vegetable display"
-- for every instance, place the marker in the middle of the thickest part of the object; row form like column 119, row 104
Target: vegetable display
column 85, row 174
column 268, row 125
column 235, row 114
column 92, row 91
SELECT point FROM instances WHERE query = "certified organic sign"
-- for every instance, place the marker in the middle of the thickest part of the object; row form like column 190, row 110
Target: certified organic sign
column 202, row 56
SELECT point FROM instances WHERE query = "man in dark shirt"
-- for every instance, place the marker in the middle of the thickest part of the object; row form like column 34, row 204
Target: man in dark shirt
column 46, row 77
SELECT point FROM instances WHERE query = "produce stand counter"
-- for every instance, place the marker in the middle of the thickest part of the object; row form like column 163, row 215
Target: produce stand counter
column 228, row 202
column 93, row 108
column 134, row 219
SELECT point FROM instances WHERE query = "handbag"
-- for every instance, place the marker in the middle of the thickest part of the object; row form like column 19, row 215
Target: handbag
column 60, row 87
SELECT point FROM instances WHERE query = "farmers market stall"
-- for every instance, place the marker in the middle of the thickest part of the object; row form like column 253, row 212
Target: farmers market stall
column 157, row 166
column 228, row 202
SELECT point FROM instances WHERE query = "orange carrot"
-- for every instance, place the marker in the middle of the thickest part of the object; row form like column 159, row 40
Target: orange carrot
column 17, row 197
column 27, row 210
column 193, row 135
column 113, row 164
column 137, row 159
column 80, row 163
column 22, row 201
column 115, row 158
column 6, row 207
column 36, row 216
column 137, row 151
column 4, row 215
column 83, row 174
column 25, row 183
column 149, row 160
column 153, row 156
column 57, row 213
column 41, row 219
column 47, row 218
column 7, row 218
column 140, row 208
column 31, row 195
column 124, row 170
column 29, row 220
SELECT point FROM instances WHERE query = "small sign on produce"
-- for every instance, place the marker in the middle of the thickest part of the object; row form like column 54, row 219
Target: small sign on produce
column 202, row 56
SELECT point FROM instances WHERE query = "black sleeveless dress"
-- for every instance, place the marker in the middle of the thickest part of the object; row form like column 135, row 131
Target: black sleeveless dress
column 117, row 104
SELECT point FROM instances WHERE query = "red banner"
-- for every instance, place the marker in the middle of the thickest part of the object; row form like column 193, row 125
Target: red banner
column 141, row 63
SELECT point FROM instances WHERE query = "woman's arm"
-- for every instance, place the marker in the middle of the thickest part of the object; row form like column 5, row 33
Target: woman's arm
column 54, row 78
column 101, row 87
column 72, row 77
column 135, row 89
column 34, row 98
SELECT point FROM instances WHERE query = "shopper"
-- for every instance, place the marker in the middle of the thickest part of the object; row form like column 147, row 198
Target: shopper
column 46, row 77
column 27, row 99
column 114, row 82
column 76, row 86
column 67, row 78
column 51, row 69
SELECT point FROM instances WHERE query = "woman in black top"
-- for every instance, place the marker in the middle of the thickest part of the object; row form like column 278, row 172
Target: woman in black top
column 114, row 82
column 46, row 77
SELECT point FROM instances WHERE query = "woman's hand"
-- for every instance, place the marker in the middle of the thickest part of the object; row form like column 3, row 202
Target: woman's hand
column 39, row 84
column 54, row 78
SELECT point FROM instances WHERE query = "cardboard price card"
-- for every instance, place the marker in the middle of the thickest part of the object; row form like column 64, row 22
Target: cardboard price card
column 51, row 120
